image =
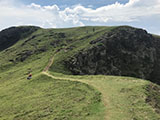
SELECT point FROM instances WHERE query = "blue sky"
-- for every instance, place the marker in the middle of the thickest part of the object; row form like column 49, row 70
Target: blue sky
column 72, row 13
column 64, row 3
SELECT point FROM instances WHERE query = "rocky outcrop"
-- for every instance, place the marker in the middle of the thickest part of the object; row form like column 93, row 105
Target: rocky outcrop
column 155, row 75
column 125, row 51
column 10, row 36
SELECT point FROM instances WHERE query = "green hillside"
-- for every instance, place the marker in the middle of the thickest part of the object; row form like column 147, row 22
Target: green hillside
column 54, row 93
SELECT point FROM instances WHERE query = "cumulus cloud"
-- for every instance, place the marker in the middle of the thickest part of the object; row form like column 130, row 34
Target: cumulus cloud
column 134, row 12
column 44, row 16
column 117, row 12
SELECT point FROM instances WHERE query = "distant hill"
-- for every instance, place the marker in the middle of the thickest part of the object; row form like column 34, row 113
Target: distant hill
column 10, row 36
column 76, row 82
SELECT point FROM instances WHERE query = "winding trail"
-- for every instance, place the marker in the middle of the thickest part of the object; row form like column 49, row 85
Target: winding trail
column 96, row 84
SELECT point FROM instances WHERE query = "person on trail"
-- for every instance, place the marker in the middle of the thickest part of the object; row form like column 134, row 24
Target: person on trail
column 29, row 76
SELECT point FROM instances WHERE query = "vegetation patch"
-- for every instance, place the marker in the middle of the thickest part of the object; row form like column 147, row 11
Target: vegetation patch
column 153, row 96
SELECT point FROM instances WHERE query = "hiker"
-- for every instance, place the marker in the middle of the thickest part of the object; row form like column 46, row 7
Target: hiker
column 29, row 76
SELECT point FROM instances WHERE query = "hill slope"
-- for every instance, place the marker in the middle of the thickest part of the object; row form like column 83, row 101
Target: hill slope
column 56, row 95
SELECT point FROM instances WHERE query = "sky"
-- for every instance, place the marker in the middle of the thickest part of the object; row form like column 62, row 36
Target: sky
column 72, row 13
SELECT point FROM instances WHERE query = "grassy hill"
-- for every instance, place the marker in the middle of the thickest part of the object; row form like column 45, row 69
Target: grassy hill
column 59, row 95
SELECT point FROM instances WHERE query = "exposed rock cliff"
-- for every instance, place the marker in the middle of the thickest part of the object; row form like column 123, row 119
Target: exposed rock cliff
column 124, row 51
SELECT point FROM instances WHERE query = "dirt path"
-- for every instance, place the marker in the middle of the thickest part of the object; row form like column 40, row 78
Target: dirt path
column 49, row 65
column 95, row 84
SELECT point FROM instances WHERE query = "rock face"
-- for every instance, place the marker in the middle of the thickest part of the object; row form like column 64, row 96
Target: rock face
column 10, row 36
column 124, row 51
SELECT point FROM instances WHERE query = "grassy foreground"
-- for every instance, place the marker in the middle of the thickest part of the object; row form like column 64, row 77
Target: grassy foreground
column 124, row 97
column 45, row 98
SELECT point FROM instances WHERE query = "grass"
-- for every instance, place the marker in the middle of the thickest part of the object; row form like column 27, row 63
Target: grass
column 67, row 97
column 42, row 97
column 45, row 98
column 125, row 97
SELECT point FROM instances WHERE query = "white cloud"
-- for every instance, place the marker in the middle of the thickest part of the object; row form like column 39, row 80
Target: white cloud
column 53, row 7
column 15, row 13
column 119, row 12
column 44, row 16
column 33, row 5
